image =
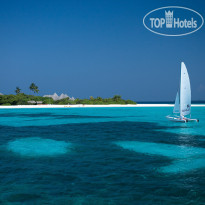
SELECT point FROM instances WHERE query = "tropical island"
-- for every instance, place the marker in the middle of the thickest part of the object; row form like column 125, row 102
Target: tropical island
column 21, row 98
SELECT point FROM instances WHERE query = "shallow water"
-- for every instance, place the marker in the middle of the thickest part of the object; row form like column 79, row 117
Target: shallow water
column 101, row 156
column 38, row 147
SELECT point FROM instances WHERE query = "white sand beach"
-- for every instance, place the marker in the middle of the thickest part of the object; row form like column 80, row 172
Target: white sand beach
column 92, row 106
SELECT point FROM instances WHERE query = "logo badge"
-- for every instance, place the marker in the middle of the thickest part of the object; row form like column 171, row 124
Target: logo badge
column 169, row 19
column 173, row 21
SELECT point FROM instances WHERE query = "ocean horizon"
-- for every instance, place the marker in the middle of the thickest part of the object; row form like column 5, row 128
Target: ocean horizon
column 102, row 102
column 168, row 102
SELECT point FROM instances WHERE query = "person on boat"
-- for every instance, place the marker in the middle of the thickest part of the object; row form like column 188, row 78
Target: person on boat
column 182, row 117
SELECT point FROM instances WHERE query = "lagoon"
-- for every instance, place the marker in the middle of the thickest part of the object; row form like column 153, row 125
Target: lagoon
column 107, row 155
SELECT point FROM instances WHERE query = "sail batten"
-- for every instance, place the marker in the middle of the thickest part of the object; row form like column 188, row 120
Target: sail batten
column 185, row 92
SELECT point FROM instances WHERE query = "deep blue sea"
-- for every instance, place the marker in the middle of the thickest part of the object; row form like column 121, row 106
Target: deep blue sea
column 91, row 156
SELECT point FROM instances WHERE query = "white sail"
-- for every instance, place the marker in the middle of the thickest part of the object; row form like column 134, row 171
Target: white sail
column 185, row 92
column 176, row 105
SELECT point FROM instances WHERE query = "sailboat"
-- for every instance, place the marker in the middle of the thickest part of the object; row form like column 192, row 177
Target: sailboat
column 182, row 106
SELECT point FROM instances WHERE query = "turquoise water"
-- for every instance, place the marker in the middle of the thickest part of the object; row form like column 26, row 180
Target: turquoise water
column 101, row 156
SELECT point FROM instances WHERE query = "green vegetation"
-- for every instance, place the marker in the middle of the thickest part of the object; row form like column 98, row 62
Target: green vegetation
column 23, row 99
column 18, row 90
column 104, row 101
column 33, row 87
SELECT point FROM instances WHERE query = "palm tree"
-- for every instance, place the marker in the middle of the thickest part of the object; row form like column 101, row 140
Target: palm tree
column 18, row 90
column 34, row 88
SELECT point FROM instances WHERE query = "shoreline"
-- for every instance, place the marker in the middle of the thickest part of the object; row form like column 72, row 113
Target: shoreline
column 92, row 106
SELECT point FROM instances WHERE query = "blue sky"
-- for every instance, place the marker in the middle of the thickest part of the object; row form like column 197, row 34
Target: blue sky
column 96, row 48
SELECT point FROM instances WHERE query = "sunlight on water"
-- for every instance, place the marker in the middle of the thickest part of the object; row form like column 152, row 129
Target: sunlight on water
column 190, row 157
column 167, row 150
column 36, row 147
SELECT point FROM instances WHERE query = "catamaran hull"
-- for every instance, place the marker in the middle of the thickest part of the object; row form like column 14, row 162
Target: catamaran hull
column 192, row 120
column 175, row 119
column 178, row 119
